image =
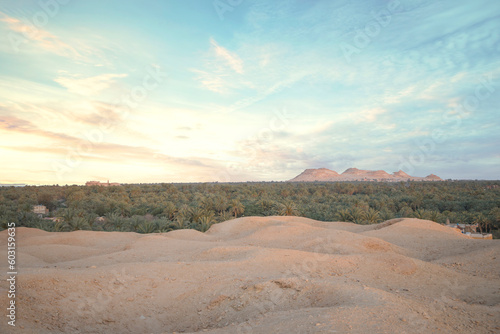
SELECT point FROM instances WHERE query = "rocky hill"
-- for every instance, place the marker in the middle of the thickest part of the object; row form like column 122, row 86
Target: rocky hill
column 320, row 174
column 354, row 174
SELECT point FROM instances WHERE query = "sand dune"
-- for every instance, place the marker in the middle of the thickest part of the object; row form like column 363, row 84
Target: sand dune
column 258, row 275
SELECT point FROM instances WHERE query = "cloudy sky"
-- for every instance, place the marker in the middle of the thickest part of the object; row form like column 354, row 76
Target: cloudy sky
column 230, row 90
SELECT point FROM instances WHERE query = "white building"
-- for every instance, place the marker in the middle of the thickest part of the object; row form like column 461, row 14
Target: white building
column 40, row 210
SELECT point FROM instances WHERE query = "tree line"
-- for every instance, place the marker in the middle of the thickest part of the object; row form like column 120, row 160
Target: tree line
column 149, row 208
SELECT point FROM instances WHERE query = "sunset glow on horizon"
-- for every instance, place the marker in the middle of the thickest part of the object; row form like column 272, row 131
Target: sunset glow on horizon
column 234, row 91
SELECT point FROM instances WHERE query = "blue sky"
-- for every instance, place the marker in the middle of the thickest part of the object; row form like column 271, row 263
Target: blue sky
column 229, row 90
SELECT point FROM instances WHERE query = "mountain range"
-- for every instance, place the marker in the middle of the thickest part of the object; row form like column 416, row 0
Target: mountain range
column 354, row 174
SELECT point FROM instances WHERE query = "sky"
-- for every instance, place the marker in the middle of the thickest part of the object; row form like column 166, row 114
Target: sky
column 242, row 90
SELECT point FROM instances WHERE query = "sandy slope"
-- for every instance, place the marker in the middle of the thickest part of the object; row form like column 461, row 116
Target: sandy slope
column 258, row 275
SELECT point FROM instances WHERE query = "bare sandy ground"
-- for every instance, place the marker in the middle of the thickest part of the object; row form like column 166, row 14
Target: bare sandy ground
column 257, row 275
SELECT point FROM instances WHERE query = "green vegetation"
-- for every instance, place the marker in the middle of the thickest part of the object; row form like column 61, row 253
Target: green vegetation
column 150, row 208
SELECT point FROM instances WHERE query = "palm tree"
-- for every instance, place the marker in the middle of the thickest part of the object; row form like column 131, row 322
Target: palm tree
column 220, row 204
column 90, row 218
column 68, row 215
column 225, row 216
column 58, row 227
column 147, row 227
column 482, row 222
column 3, row 224
column 421, row 214
column 343, row 215
column 371, row 216
column 78, row 223
column 207, row 203
column 169, row 210
column 114, row 221
column 164, row 225
column 266, row 204
column 123, row 208
column 434, row 215
column 134, row 222
column 268, row 207
column 495, row 217
column 236, row 208
column 180, row 222
column 357, row 215
column 183, row 211
column 289, row 209
column 205, row 222
column 196, row 213
column 405, row 212
column 386, row 214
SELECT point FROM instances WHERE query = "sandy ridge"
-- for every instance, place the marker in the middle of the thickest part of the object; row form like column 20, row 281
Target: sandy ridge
column 258, row 275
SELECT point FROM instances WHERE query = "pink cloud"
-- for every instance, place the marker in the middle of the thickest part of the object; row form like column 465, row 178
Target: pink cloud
column 42, row 38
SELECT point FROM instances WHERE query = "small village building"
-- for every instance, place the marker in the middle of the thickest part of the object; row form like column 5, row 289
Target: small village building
column 40, row 210
column 465, row 228
column 470, row 230
column 480, row 236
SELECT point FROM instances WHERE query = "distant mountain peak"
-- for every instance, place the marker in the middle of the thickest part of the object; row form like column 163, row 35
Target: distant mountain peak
column 320, row 174
column 355, row 174
column 400, row 173
column 352, row 170
column 433, row 177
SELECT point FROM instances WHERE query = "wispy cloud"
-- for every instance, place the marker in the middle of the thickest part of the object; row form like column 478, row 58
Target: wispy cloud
column 369, row 115
column 212, row 81
column 90, row 85
column 80, row 47
column 230, row 58
column 221, row 66
column 44, row 39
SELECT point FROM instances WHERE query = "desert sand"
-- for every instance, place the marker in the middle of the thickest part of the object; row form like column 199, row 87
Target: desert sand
column 257, row 275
